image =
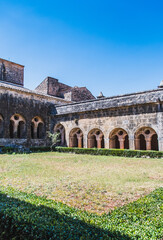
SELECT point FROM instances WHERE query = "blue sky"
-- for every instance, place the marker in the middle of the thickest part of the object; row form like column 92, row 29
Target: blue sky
column 111, row 46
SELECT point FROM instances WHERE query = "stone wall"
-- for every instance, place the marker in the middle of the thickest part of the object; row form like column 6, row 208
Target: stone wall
column 129, row 113
column 25, row 104
column 153, row 96
column 108, row 120
column 11, row 72
column 53, row 87
column 28, row 109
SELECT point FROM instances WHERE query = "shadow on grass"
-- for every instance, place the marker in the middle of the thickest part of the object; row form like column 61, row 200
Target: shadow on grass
column 22, row 220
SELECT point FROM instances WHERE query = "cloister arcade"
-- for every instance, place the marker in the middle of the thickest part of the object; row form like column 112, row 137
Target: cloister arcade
column 17, row 126
column 76, row 138
column 145, row 138
column 119, row 139
column 95, row 138
column 37, row 128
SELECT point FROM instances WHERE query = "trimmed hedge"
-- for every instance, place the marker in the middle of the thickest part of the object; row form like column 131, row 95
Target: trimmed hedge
column 27, row 216
column 20, row 149
column 111, row 152
column 91, row 151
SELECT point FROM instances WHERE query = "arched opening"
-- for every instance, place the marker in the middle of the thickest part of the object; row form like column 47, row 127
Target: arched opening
column 37, row 128
column 32, row 130
column 21, row 130
column 126, row 142
column 11, row 129
column 154, row 142
column 1, row 126
column 93, row 142
column 146, row 139
column 59, row 128
column 17, row 126
column 142, row 142
column 76, row 138
column 96, row 139
column 40, row 130
column 119, row 139
column 117, row 145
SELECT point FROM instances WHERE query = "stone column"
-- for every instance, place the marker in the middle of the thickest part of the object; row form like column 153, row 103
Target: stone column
column 122, row 143
column 160, row 127
column 15, row 129
column 99, row 142
column 85, row 141
column 106, row 142
column 160, row 144
column 62, row 137
column 35, row 131
column 132, row 142
column 80, row 140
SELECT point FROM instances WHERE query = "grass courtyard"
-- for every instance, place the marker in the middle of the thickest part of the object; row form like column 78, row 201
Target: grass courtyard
column 96, row 184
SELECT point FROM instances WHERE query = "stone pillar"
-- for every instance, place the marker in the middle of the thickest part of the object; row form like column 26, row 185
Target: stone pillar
column 106, row 142
column 62, row 137
column 85, row 141
column 35, row 131
column 132, row 143
column 80, row 141
column 137, row 144
column 99, row 142
column 160, row 127
column 15, row 129
column 67, row 140
column 160, row 144
column 122, row 143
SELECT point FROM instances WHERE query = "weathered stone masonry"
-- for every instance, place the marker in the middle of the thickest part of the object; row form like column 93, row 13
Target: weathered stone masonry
column 132, row 121
column 129, row 115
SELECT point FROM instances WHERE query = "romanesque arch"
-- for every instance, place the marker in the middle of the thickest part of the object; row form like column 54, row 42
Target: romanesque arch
column 146, row 139
column 1, row 126
column 95, row 139
column 76, row 138
column 59, row 128
column 37, row 128
column 17, row 127
column 119, row 139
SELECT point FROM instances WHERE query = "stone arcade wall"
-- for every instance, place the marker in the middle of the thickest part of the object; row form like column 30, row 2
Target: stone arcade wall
column 28, row 104
column 129, row 112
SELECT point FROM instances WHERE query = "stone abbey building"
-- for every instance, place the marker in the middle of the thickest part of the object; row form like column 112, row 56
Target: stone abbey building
column 131, row 121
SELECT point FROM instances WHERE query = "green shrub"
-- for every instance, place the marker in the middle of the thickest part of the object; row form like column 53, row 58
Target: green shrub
column 111, row 152
column 26, row 216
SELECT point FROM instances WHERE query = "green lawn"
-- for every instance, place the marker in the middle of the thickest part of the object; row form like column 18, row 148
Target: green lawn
column 93, row 183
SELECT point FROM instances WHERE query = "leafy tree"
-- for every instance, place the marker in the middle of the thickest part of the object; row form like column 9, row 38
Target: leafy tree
column 54, row 137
